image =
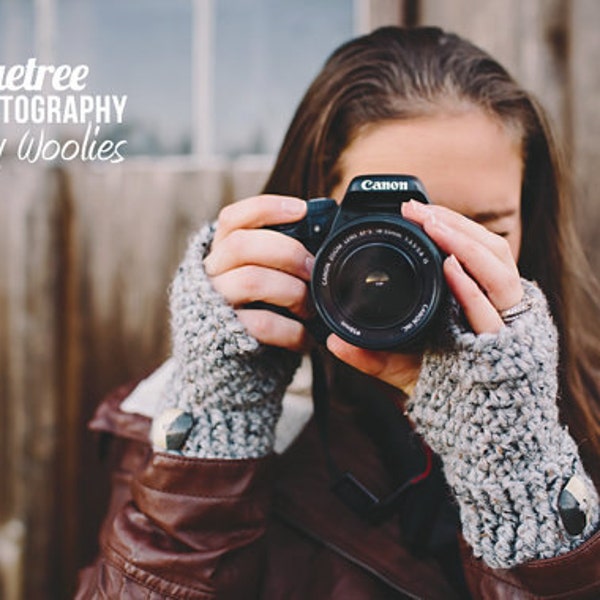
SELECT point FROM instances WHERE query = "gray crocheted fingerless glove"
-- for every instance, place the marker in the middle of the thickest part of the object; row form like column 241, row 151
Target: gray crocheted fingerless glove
column 487, row 405
column 230, row 383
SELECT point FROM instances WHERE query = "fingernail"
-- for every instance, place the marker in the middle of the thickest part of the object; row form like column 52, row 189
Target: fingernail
column 417, row 208
column 309, row 263
column 293, row 206
column 454, row 264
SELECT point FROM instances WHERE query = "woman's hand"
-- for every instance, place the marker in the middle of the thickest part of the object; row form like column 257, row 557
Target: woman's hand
column 480, row 271
column 247, row 263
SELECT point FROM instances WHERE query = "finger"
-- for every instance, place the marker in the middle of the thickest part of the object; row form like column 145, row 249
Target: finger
column 485, row 255
column 261, row 247
column 251, row 283
column 499, row 279
column 479, row 311
column 258, row 211
column 275, row 330
column 420, row 213
column 399, row 370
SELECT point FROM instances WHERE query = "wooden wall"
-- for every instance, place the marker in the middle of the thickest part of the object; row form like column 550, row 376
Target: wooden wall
column 551, row 47
column 86, row 255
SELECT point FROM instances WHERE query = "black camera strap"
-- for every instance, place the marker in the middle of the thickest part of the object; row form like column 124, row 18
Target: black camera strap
column 417, row 457
column 428, row 518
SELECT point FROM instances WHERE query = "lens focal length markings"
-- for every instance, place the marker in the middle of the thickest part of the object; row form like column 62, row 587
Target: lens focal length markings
column 376, row 283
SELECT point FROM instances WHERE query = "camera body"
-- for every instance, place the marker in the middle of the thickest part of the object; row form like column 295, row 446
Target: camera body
column 378, row 280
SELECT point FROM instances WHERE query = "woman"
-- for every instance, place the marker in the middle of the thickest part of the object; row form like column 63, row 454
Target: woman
column 216, row 514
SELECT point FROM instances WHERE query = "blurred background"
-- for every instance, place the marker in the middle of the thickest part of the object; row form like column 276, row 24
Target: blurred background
column 87, row 249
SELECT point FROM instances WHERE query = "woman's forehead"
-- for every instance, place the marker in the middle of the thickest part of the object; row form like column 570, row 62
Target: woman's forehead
column 466, row 158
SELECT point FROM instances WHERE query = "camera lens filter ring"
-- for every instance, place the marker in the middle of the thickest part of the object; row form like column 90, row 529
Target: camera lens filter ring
column 378, row 282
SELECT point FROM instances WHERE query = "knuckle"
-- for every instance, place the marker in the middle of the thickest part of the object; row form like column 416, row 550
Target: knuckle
column 472, row 248
column 261, row 323
column 299, row 298
column 285, row 253
column 297, row 289
column 473, row 293
column 237, row 241
column 297, row 337
column 502, row 247
column 219, row 283
column 226, row 216
column 507, row 253
column 249, row 282
column 441, row 211
column 271, row 328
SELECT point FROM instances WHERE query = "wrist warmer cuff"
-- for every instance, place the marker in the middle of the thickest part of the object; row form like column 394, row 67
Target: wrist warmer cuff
column 230, row 383
column 487, row 405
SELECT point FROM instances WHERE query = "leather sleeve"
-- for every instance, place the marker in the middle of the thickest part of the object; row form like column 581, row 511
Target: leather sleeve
column 571, row 576
column 179, row 527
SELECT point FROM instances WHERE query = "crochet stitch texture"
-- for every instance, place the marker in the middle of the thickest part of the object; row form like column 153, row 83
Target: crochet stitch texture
column 487, row 405
column 230, row 383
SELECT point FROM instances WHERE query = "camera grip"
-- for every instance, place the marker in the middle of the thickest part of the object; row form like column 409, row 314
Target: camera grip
column 312, row 230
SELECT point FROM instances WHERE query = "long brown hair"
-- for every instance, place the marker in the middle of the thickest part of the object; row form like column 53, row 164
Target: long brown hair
column 396, row 73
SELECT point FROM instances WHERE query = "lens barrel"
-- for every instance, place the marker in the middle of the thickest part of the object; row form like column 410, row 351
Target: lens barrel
column 378, row 282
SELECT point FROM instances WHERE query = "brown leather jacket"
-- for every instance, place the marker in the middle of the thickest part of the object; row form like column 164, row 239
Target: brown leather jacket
column 269, row 528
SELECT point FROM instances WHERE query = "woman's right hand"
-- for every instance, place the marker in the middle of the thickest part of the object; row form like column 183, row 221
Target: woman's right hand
column 248, row 263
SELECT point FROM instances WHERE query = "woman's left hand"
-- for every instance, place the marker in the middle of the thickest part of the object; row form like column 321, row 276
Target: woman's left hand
column 481, row 274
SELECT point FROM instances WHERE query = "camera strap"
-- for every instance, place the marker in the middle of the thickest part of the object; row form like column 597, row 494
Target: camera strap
column 428, row 518
column 416, row 462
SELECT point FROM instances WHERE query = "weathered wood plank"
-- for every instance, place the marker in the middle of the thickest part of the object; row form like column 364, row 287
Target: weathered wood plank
column 248, row 175
column 83, row 299
column 32, row 208
column 370, row 14
column 12, row 535
column 551, row 47
column 585, row 110
column 131, row 226
column 529, row 38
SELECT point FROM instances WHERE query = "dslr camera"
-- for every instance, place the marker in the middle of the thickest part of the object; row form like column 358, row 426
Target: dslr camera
column 377, row 281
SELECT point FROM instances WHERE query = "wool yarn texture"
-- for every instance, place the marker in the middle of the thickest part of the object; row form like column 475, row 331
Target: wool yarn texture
column 230, row 383
column 486, row 404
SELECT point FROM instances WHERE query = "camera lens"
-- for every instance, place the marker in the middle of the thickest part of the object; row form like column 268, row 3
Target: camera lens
column 378, row 282
column 376, row 286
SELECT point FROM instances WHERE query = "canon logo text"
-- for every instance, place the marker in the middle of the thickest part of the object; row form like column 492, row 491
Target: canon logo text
column 384, row 186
